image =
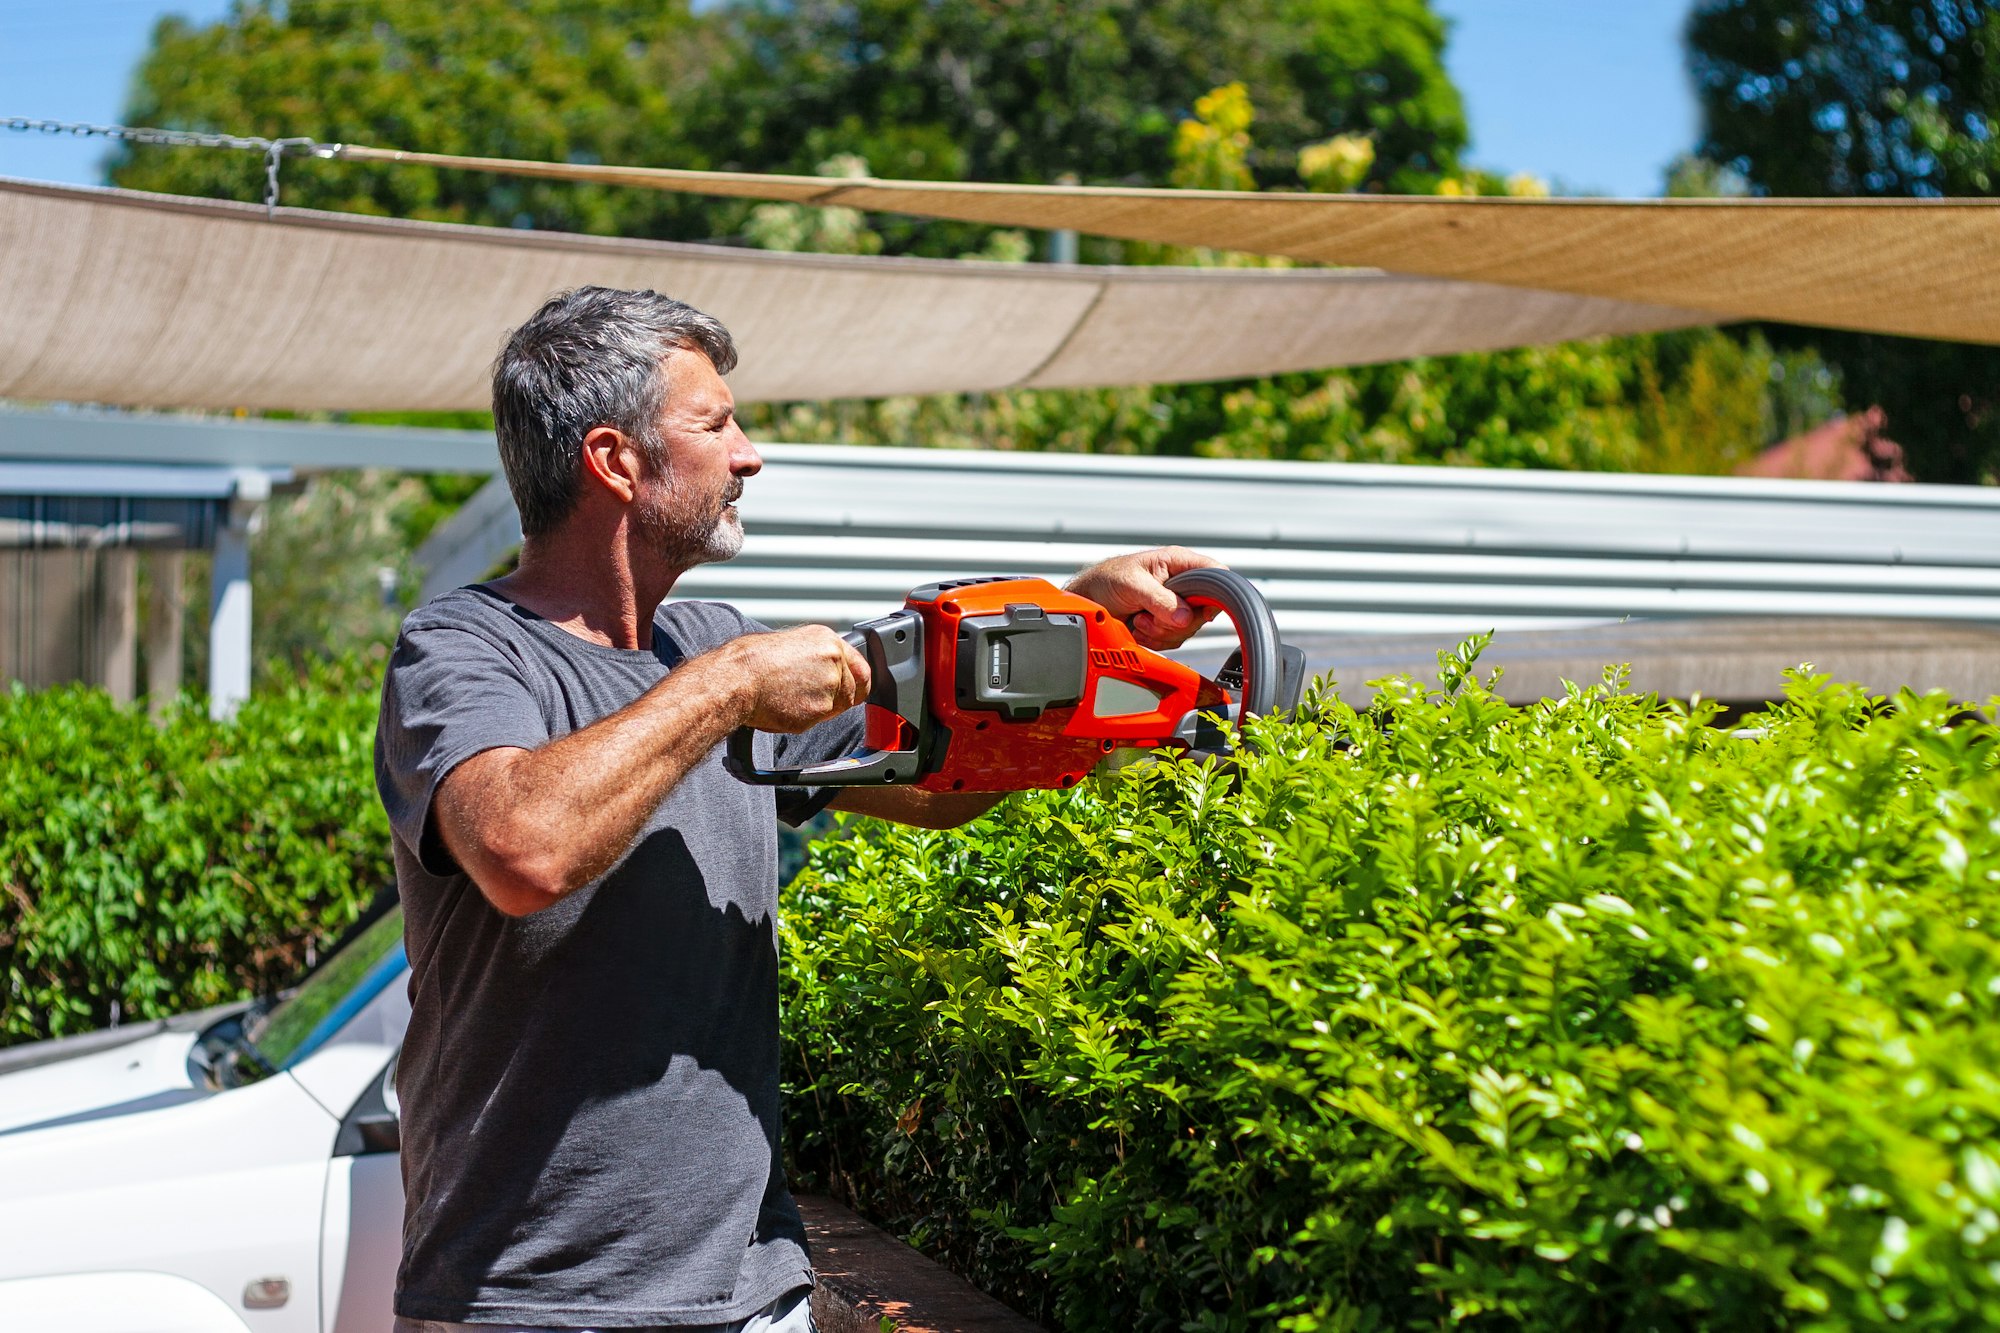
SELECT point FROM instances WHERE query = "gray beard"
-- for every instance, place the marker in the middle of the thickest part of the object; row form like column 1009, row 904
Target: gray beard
column 685, row 539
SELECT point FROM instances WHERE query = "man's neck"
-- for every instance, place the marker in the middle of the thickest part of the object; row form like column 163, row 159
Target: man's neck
column 598, row 594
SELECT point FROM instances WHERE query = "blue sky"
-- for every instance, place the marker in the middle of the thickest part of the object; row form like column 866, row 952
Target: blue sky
column 1590, row 94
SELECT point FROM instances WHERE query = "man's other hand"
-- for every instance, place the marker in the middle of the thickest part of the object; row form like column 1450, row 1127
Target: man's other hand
column 797, row 678
column 1134, row 588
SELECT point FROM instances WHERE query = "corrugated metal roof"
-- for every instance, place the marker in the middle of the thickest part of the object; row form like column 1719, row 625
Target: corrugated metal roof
column 835, row 534
column 58, row 504
column 838, row 533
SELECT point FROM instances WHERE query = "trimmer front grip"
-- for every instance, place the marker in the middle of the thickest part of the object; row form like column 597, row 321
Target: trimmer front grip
column 1265, row 682
column 894, row 647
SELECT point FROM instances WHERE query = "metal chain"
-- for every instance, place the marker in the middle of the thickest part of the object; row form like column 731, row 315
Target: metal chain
column 272, row 156
column 274, row 150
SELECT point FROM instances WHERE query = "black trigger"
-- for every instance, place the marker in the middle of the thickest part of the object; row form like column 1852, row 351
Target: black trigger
column 1231, row 676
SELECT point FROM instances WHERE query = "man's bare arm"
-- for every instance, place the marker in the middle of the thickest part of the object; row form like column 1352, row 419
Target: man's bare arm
column 1134, row 588
column 532, row 826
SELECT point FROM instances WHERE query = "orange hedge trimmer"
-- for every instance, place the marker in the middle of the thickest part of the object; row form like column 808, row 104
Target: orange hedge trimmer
column 1012, row 684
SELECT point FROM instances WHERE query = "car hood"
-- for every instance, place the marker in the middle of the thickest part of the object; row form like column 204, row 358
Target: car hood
column 172, row 1188
column 141, row 1074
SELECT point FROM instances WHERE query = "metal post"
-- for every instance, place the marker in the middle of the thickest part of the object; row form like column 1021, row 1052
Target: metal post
column 163, row 630
column 118, row 622
column 229, row 598
column 1062, row 244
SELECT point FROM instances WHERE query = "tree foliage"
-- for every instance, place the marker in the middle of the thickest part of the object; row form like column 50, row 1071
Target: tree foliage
column 562, row 80
column 1882, row 98
column 924, row 88
column 333, row 564
column 1873, row 98
column 1033, row 90
column 1693, row 402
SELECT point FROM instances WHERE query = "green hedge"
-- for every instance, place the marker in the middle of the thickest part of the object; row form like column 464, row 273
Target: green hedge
column 147, row 870
column 1580, row 1016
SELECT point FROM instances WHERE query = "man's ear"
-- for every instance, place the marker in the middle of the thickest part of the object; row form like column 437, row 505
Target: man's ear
column 612, row 459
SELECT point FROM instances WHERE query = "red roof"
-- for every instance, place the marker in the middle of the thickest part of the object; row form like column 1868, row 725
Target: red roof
column 1851, row 448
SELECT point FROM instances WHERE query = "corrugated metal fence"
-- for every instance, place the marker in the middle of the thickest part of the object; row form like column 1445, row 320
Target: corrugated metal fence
column 837, row 534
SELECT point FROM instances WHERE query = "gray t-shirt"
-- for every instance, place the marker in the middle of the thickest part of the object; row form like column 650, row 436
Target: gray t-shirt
column 590, row 1093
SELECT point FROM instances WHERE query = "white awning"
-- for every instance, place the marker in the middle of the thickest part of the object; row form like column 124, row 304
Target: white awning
column 133, row 299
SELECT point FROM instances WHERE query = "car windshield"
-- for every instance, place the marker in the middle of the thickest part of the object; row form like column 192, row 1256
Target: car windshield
column 279, row 1033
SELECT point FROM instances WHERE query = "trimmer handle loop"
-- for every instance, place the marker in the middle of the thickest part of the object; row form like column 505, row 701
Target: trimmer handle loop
column 1264, row 674
column 894, row 648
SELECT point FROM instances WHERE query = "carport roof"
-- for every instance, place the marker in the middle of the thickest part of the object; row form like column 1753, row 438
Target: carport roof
column 68, row 504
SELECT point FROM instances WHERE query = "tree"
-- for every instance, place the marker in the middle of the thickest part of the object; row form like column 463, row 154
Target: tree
column 1873, row 98
column 1032, row 90
column 568, row 80
column 947, row 89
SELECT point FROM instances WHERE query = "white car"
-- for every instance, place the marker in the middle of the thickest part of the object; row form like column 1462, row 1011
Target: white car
column 227, row 1171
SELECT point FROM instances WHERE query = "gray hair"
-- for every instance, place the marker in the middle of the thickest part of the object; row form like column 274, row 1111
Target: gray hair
column 588, row 358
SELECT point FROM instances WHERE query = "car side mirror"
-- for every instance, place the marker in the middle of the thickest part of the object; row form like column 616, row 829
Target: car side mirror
column 381, row 1132
column 372, row 1124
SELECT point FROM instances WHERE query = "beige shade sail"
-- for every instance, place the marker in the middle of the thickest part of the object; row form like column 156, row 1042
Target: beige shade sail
column 147, row 300
column 1923, row 267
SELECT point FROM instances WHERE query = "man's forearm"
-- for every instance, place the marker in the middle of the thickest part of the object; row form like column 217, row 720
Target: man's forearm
column 532, row 826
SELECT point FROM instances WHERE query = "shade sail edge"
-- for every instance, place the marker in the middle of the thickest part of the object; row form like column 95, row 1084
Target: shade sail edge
column 122, row 298
column 1912, row 267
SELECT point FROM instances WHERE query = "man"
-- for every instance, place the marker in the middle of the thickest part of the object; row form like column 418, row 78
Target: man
column 590, row 1080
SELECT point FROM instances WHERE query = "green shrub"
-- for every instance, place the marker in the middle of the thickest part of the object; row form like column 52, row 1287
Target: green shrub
column 146, row 870
column 1586, row 1015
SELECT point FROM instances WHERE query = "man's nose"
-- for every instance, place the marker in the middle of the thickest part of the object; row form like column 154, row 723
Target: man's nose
column 744, row 460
